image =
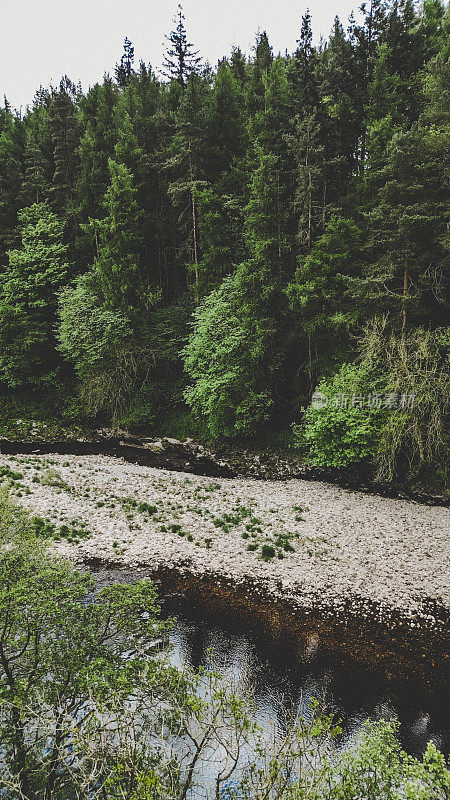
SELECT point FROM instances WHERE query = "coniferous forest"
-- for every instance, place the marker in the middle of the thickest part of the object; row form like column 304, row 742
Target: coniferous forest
column 197, row 252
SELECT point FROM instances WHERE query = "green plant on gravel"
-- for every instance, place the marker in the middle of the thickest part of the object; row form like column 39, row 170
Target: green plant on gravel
column 51, row 477
column 130, row 504
column 283, row 542
column 7, row 472
column 74, row 532
column 267, row 552
column 233, row 518
column 174, row 527
column 13, row 480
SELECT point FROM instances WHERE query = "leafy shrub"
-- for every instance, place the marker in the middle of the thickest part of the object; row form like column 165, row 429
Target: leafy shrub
column 335, row 435
column 267, row 552
column 403, row 440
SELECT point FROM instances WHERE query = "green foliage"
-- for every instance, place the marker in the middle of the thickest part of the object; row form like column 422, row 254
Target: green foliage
column 319, row 290
column 118, row 270
column 345, row 430
column 223, row 359
column 98, row 341
column 89, row 334
column 93, row 652
column 391, row 408
column 28, row 300
column 290, row 200
column 377, row 768
column 414, row 438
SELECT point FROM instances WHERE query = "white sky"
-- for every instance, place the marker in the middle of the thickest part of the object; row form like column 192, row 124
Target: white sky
column 40, row 40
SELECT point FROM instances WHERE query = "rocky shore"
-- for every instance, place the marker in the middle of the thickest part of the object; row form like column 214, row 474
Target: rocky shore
column 190, row 456
column 313, row 545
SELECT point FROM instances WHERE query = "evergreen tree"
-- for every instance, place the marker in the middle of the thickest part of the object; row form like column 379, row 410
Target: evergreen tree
column 65, row 130
column 340, row 114
column 38, row 157
column 238, row 64
column 28, row 300
column 259, row 68
column 124, row 70
column 302, row 77
column 407, row 229
column 220, row 201
column 119, row 274
column 310, row 194
column 99, row 121
column 187, row 168
column 12, row 151
column 181, row 60
column 324, row 310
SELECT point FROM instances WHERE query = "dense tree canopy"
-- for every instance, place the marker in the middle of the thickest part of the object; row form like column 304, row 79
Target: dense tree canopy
column 250, row 220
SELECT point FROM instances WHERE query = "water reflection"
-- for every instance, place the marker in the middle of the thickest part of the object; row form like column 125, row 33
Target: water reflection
column 278, row 672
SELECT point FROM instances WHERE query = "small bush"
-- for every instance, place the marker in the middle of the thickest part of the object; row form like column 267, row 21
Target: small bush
column 267, row 552
column 335, row 435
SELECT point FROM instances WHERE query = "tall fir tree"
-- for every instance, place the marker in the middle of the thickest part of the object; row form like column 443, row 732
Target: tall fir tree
column 119, row 274
column 124, row 69
column 28, row 301
column 181, row 60
column 65, row 129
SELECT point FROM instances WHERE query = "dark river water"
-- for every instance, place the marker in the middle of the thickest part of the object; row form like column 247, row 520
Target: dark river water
column 276, row 671
column 295, row 669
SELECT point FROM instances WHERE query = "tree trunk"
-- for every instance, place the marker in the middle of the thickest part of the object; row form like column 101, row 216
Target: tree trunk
column 194, row 225
column 405, row 298
column 309, row 209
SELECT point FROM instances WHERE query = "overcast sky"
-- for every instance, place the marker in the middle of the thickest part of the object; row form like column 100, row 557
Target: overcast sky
column 40, row 40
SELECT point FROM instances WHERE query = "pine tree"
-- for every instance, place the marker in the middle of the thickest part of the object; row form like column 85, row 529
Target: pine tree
column 405, row 56
column 225, row 122
column 340, row 114
column 220, row 202
column 302, row 77
column 12, row 152
column 383, row 112
column 119, row 274
column 310, row 197
column 35, row 187
column 186, row 165
column 407, row 227
column 259, row 68
column 65, row 131
column 28, row 300
column 238, row 64
column 124, row 70
column 270, row 130
column 99, row 120
column 324, row 309
column 38, row 157
column 431, row 28
column 181, row 60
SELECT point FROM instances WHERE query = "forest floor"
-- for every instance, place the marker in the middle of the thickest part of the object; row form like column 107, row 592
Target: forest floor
column 310, row 542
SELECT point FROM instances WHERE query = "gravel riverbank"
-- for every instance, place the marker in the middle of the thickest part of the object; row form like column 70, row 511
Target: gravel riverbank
column 311, row 543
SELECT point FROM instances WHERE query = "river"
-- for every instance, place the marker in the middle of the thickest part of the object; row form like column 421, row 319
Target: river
column 293, row 667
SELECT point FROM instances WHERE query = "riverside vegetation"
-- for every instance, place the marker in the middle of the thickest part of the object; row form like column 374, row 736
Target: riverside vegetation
column 91, row 708
column 197, row 254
